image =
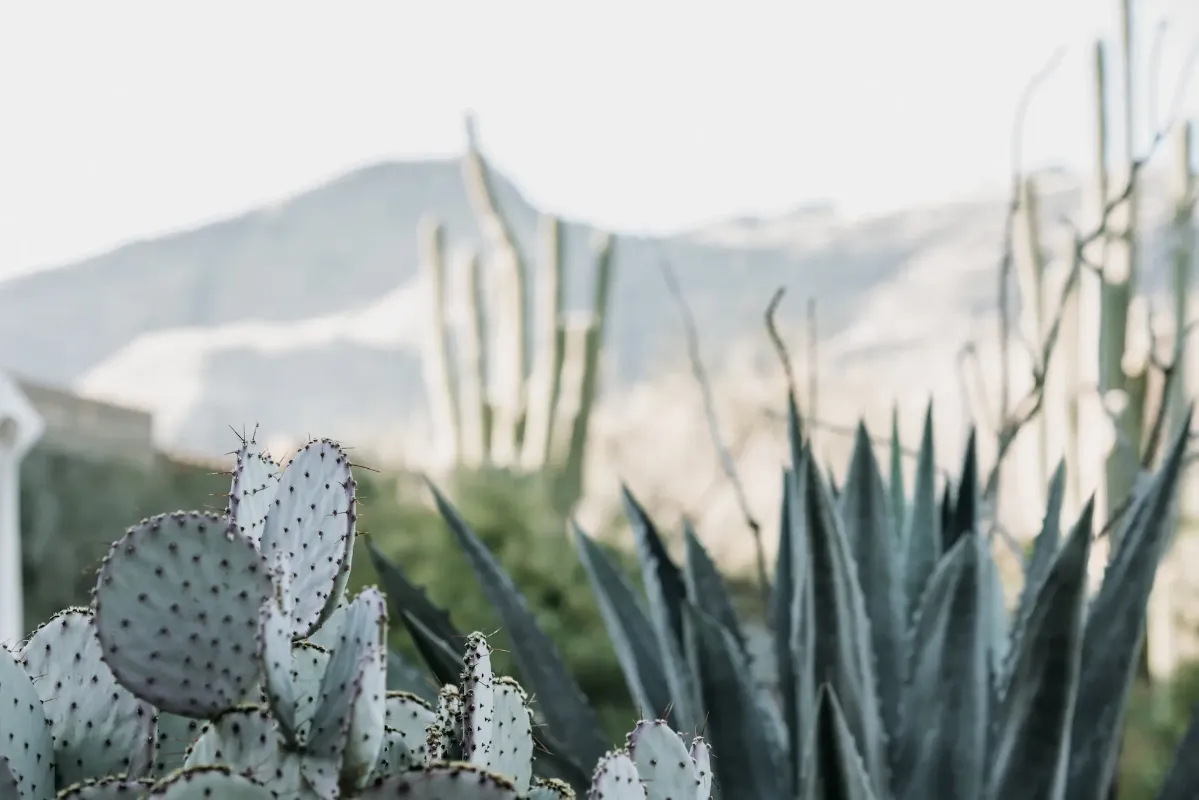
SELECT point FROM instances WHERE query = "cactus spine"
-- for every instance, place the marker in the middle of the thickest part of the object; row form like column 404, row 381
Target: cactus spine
column 522, row 388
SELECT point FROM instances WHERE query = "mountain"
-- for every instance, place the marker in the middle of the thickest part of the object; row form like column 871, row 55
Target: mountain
column 306, row 315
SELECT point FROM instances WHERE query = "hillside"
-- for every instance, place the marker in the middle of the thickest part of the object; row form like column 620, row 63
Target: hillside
column 307, row 314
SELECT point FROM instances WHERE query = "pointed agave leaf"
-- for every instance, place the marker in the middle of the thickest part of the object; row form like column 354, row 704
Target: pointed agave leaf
column 1183, row 775
column 943, row 746
column 922, row 527
column 706, row 588
column 667, row 593
column 836, row 769
column 741, row 727
column 842, row 654
column 896, row 488
column 1115, row 629
column 404, row 676
column 785, row 604
column 566, row 711
column 1044, row 550
column 872, row 540
column 429, row 625
column 628, row 627
column 1030, row 748
column 963, row 518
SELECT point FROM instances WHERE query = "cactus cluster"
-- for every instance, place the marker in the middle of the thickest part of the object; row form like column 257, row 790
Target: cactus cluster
column 507, row 387
column 220, row 657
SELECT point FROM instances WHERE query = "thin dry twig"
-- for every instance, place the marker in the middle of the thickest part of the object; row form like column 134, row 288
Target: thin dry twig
column 729, row 466
column 780, row 347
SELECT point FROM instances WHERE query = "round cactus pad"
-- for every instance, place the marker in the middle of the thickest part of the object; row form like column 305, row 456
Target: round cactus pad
column 663, row 761
column 25, row 740
column 206, row 783
column 99, row 728
column 408, row 721
column 511, row 750
column 311, row 525
column 616, row 776
column 176, row 612
column 454, row 781
column 106, row 789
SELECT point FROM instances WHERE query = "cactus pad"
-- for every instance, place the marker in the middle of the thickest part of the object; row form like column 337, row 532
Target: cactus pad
column 176, row 611
column 348, row 674
column 25, row 739
column 255, row 481
column 275, row 651
column 311, row 524
column 105, row 789
column 308, row 665
column 247, row 740
column 444, row 737
column 410, row 717
column 478, row 701
column 550, row 789
column 616, row 778
column 443, row 781
column 662, row 761
column 99, row 728
column 701, row 757
column 368, row 730
column 175, row 735
column 511, row 751
column 204, row 783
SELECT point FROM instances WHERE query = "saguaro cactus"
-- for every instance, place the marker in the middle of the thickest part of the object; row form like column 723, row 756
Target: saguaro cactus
column 508, row 388
column 20, row 428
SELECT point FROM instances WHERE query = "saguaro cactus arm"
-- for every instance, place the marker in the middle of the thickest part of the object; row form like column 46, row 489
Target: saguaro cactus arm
column 473, row 369
column 435, row 345
column 20, row 428
column 548, row 346
column 509, row 313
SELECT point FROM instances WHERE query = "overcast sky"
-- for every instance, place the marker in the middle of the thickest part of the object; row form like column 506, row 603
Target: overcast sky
column 127, row 119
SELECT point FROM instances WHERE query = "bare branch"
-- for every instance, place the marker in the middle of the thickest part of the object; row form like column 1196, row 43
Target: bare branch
column 726, row 459
column 780, row 347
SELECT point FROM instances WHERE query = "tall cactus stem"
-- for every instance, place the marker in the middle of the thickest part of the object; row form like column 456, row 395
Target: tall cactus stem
column 509, row 311
column 1030, row 276
column 435, row 344
column 572, row 469
column 546, row 379
column 474, row 411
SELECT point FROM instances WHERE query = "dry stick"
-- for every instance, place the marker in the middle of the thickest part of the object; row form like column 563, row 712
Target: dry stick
column 726, row 459
column 780, row 347
column 1009, row 225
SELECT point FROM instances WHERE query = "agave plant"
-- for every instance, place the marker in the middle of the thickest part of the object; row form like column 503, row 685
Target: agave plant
column 901, row 672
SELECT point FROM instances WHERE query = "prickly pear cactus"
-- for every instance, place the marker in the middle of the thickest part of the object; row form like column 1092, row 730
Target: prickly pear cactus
column 99, row 728
column 190, row 676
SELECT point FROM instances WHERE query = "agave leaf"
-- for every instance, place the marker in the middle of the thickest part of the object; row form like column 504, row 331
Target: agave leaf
column 429, row 625
column 842, row 654
column 706, row 588
column 898, row 494
column 871, row 537
column 628, row 627
column 1115, row 628
column 944, row 739
column 667, row 593
column 922, row 527
column 743, row 727
column 1044, row 550
column 836, row 769
column 562, row 702
column 791, row 615
column 963, row 518
column 1183, row 775
column 403, row 676
column 1030, row 748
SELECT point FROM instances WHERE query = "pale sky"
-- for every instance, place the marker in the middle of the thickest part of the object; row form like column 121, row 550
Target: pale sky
column 125, row 119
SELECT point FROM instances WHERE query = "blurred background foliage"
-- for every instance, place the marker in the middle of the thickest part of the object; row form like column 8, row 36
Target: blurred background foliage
column 73, row 508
